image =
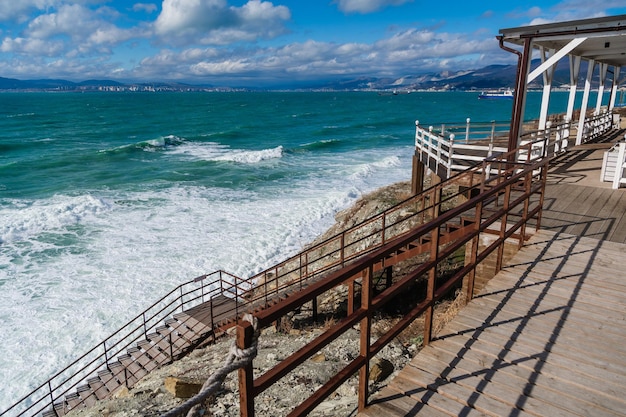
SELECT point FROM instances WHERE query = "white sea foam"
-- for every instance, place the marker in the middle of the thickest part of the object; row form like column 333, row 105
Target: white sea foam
column 22, row 220
column 211, row 151
column 103, row 258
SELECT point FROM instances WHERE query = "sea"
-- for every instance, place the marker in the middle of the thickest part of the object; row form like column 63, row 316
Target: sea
column 110, row 200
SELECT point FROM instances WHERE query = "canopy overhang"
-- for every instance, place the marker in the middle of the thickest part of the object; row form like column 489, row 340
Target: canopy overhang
column 600, row 41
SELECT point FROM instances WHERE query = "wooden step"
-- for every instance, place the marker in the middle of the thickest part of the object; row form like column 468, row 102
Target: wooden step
column 183, row 331
column 142, row 358
column 109, row 380
column 178, row 344
column 153, row 351
column 135, row 370
column 87, row 396
column 60, row 408
column 72, row 400
column 98, row 387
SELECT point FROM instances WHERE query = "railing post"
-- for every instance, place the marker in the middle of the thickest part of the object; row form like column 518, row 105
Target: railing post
column 503, row 224
column 236, row 298
column 527, row 188
column 467, row 130
column 450, row 155
column 471, row 277
column 245, row 333
column 342, row 243
column 51, row 396
column 365, row 335
column 546, row 139
column 493, row 132
column 430, row 290
column 145, row 330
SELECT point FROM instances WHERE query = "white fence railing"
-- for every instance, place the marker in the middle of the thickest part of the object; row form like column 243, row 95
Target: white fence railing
column 450, row 148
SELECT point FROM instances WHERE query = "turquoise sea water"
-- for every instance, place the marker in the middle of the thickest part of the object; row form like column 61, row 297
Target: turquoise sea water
column 109, row 200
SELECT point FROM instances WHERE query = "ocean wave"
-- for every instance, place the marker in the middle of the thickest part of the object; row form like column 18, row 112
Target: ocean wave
column 366, row 170
column 211, row 151
column 321, row 144
column 22, row 220
column 11, row 116
column 150, row 145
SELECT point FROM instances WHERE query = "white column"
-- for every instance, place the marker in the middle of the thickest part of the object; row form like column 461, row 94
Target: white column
column 614, row 88
column 583, row 106
column 548, row 74
column 603, row 68
column 574, row 70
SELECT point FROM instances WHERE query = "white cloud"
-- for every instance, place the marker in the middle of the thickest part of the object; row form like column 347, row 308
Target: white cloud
column 214, row 22
column 367, row 6
column 145, row 7
column 37, row 47
column 19, row 10
column 74, row 29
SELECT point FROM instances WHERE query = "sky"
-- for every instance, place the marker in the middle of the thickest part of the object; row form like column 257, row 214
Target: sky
column 264, row 43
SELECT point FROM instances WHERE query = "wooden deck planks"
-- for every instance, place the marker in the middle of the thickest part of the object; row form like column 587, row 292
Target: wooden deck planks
column 585, row 211
column 545, row 337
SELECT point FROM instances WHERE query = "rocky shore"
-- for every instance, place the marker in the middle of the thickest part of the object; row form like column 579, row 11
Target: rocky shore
column 159, row 391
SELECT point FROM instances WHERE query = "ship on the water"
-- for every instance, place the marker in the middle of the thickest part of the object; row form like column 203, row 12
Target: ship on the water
column 497, row 95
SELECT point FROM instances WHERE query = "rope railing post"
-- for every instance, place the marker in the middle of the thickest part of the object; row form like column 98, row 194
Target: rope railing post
column 238, row 357
column 245, row 332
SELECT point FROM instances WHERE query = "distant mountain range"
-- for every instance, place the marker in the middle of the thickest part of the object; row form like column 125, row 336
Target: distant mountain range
column 490, row 77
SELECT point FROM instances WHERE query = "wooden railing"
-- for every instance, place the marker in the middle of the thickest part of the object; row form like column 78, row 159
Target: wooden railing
column 258, row 291
column 502, row 209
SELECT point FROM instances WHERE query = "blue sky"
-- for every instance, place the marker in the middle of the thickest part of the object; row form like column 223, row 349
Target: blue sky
column 257, row 43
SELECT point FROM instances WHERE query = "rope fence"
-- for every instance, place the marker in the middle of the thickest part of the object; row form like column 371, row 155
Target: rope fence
column 237, row 358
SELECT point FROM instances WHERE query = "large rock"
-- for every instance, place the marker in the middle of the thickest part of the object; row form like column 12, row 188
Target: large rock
column 182, row 387
column 380, row 369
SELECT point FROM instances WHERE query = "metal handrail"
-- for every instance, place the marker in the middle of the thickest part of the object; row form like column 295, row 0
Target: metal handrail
column 515, row 194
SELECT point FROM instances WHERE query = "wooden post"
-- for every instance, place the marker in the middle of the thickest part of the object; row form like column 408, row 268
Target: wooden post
column 314, row 307
column 365, row 330
column 430, row 291
column 351, row 296
column 417, row 177
column 471, row 277
column 245, row 332
column 503, row 224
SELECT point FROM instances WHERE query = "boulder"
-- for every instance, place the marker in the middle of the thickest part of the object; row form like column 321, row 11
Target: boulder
column 380, row 369
column 182, row 387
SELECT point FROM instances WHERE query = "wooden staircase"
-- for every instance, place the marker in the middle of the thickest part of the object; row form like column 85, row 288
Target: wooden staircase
column 186, row 330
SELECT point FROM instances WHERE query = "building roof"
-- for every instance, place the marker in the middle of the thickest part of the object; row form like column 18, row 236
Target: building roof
column 606, row 37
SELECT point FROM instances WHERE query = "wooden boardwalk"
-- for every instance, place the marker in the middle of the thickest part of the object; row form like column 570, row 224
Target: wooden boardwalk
column 577, row 202
column 546, row 337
